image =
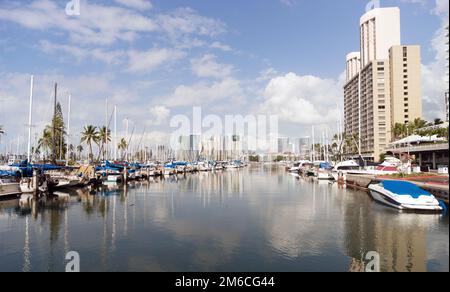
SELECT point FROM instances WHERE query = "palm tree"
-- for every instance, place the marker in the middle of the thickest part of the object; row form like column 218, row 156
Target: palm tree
column 46, row 141
column 438, row 122
column 89, row 136
column 79, row 150
column 123, row 145
column 104, row 137
column 2, row 132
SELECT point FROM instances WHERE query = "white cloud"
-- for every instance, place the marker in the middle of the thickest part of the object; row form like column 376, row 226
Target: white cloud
column 441, row 8
column 220, row 46
column 141, row 62
column 302, row 100
column 159, row 114
column 97, row 24
column 228, row 91
column 434, row 74
column 81, row 54
column 186, row 21
column 207, row 66
column 105, row 25
column 137, row 4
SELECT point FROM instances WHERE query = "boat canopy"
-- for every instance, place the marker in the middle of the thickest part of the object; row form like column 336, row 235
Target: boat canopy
column 325, row 165
column 404, row 188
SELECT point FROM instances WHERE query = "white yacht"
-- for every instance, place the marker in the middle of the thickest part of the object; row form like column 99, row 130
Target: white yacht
column 404, row 195
column 342, row 168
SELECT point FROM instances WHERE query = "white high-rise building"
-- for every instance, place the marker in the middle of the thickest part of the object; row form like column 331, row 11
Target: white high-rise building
column 447, row 77
column 379, row 31
column 353, row 65
column 385, row 89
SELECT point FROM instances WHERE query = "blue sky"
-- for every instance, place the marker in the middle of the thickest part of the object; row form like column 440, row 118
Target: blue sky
column 157, row 58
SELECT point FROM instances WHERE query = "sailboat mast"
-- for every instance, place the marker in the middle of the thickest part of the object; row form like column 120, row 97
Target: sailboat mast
column 68, row 130
column 30, row 119
column 314, row 146
column 115, row 133
column 106, row 131
column 126, row 139
column 54, row 125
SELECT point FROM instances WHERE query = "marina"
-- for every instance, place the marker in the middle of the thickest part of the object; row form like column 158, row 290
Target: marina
column 257, row 218
column 258, row 136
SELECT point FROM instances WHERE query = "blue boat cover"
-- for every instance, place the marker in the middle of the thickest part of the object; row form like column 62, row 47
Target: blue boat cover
column 325, row 165
column 404, row 188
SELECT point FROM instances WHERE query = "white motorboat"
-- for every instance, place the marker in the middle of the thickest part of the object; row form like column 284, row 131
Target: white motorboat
column 9, row 188
column 342, row 168
column 404, row 195
column 297, row 166
column 202, row 166
column 323, row 174
column 114, row 178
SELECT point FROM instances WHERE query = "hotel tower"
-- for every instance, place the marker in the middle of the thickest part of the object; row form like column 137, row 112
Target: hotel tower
column 383, row 84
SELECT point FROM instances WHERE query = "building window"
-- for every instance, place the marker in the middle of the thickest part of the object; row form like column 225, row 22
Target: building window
column 406, row 99
column 380, row 63
column 405, row 65
column 405, row 71
column 406, row 117
column 405, row 93
column 405, row 82
column 405, row 88
column 380, row 68
column 381, row 107
column 405, row 76
column 406, row 110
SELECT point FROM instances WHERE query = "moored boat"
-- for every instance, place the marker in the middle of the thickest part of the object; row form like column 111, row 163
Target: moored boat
column 404, row 195
column 9, row 188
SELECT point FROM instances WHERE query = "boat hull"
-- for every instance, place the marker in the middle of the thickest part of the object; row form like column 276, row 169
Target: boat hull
column 9, row 190
column 386, row 198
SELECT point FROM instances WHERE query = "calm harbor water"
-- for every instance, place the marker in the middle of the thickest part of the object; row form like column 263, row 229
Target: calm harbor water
column 254, row 219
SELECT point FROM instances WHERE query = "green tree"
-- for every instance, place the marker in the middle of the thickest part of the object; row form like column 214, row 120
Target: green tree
column 45, row 143
column 79, row 151
column 123, row 146
column 438, row 122
column 53, row 136
column 254, row 158
column 279, row 158
column 104, row 135
column 2, row 132
column 90, row 136
column 60, row 147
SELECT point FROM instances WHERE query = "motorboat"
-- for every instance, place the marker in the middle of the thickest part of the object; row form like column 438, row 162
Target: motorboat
column 404, row 195
column 203, row 166
column 297, row 166
column 342, row 168
column 9, row 187
column 323, row 172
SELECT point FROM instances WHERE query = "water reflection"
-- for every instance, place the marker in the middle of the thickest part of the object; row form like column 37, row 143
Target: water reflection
column 256, row 219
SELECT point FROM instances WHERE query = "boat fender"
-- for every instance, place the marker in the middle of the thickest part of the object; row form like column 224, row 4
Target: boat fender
column 443, row 206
